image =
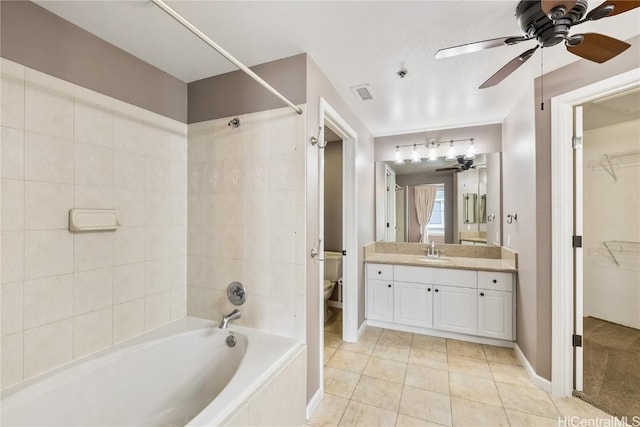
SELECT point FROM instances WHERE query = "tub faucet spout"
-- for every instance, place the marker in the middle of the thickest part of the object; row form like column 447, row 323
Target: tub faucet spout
column 235, row 314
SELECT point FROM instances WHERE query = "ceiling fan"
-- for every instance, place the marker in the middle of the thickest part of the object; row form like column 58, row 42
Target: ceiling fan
column 549, row 23
column 463, row 165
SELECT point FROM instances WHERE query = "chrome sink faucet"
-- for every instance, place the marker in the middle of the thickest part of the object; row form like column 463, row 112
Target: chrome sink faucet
column 224, row 324
column 433, row 252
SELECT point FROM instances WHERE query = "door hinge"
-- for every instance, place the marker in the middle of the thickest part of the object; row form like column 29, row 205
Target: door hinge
column 576, row 241
column 344, row 252
column 577, row 340
column 576, row 142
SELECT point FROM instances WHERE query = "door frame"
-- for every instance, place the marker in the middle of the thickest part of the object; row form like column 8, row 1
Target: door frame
column 562, row 222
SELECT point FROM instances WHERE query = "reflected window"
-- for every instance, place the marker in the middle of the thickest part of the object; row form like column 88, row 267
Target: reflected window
column 435, row 227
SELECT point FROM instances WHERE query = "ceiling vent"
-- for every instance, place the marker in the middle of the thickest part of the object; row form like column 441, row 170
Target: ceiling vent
column 363, row 92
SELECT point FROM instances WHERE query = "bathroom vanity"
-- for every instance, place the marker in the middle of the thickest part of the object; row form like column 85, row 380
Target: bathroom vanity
column 468, row 293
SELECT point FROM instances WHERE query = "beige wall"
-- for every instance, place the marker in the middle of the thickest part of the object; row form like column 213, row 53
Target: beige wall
column 65, row 295
column 37, row 38
column 333, row 196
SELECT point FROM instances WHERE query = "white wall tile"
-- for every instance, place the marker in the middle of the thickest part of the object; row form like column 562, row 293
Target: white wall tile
column 258, row 174
column 12, row 146
column 128, row 319
column 258, row 313
column 48, row 111
column 131, row 204
column 283, row 133
column 282, row 317
column 92, row 290
column 92, row 332
column 48, row 158
column 93, row 124
column 47, row 206
column 283, row 172
column 157, row 174
column 196, row 177
column 195, row 270
column 282, row 281
column 93, row 250
column 128, row 245
column 157, row 276
column 47, row 346
column 282, row 244
column 178, row 303
column 129, row 170
column 128, row 282
column 12, row 205
column 47, row 253
column 93, row 165
column 12, row 101
column 12, row 359
column 235, row 175
column 48, row 300
column 12, row 303
column 94, row 197
column 12, row 256
column 195, row 301
column 282, row 209
column 258, row 243
column 178, row 177
column 258, row 135
column 157, row 310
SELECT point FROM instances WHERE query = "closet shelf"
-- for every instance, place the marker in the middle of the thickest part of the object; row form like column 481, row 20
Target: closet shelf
column 608, row 161
column 620, row 246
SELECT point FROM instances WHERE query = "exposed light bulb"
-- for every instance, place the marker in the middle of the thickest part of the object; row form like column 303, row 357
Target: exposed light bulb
column 471, row 151
column 398, row 160
column 433, row 151
column 415, row 157
column 451, row 152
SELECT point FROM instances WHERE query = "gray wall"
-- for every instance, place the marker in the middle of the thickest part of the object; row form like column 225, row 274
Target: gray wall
column 333, row 197
column 37, row 38
column 236, row 93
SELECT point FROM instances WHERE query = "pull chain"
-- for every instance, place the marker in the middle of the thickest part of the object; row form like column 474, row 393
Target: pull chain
column 542, row 78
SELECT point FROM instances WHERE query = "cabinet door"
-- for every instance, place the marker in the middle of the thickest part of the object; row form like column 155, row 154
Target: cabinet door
column 495, row 314
column 412, row 304
column 455, row 309
column 380, row 300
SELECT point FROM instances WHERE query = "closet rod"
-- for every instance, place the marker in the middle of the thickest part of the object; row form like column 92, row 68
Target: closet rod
column 202, row 36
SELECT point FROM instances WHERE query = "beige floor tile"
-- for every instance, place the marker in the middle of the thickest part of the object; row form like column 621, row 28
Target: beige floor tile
column 386, row 369
column 429, row 343
column 476, row 414
column 379, row 393
column 329, row 411
column 348, row 361
column 395, row 337
column 431, row 359
column 501, row 355
column 390, row 351
column 511, row 374
column 407, row 421
column 371, row 333
column 339, row 382
column 362, row 347
column 527, row 399
column 468, row 366
column 359, row 414
column 572, row 406
column 327, row 353
column 427, row 378
column 466, row 349
column 332, row 340
column 473, row 388
column 426, row 405
column 521, row 419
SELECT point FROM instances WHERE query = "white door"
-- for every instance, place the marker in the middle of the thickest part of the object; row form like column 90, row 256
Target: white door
column 578, row 230
column 390, row 205
column 495, row 314
column 455, row 309
column 380, row 300
column 412, row 304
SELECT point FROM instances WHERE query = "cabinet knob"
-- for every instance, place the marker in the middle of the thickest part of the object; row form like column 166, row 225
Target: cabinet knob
column 379, row 272
column 389, row 286
column 437, row 290
column 428, row 289
column 481, row 294
column 494, row 281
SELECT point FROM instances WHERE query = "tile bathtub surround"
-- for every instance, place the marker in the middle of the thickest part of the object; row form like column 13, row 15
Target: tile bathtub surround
column 404, row 379
column 65, row 295
column 246, row 222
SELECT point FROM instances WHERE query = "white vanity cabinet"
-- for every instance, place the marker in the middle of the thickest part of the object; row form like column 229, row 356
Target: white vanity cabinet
column 380, row 292
column 455, row 309
column 412, row 304
column 495, row 305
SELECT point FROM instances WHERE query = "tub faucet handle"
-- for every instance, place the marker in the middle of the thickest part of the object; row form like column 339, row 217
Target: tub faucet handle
column 224, row 324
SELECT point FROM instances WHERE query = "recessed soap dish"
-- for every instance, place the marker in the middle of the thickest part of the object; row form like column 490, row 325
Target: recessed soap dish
column 93, row 219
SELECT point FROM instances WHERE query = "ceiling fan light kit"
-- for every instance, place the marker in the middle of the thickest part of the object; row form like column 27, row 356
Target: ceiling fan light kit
column 549, row 23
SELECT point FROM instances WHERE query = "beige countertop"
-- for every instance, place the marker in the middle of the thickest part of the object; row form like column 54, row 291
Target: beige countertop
column 474, row 239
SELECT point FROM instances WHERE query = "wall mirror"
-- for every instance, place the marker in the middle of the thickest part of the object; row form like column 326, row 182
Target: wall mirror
column 466, row 208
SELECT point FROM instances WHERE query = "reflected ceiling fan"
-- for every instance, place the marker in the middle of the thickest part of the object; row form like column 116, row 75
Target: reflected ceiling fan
column 463, row 165
column 549, row 23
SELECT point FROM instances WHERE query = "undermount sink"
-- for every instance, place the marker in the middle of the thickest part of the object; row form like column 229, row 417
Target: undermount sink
column 435, row 260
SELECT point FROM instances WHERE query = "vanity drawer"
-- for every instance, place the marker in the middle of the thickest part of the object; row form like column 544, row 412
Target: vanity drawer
column 380, row 271
column 495, row 281
column 436, row 276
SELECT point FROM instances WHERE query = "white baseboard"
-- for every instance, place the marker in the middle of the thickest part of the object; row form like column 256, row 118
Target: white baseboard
column 361, row 330
column 540, row 382
column 313, row 403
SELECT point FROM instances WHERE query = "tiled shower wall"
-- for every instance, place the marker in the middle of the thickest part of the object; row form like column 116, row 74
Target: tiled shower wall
column 246, row 219
column 67, row 294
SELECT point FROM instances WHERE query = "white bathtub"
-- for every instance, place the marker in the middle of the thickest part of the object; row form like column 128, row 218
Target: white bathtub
column 180, row 374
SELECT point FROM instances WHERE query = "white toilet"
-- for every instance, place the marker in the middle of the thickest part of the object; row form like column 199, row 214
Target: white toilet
column 332, row 273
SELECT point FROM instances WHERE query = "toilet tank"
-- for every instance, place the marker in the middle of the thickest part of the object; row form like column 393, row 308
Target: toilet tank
column 332, row 266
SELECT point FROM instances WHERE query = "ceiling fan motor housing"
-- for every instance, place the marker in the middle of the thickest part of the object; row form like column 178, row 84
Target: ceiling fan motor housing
column 536, row 24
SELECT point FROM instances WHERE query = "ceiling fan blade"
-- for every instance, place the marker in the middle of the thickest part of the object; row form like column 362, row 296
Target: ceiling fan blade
column 511, row 66
column 478, row 46
column 611, row 8
column 452, row 168
column 597, row 47
column 549, row 5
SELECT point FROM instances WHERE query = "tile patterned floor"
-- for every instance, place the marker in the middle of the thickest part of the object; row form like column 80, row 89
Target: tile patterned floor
column 392, row 378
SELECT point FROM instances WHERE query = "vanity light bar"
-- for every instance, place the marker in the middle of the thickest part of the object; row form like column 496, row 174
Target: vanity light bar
column 433, row 145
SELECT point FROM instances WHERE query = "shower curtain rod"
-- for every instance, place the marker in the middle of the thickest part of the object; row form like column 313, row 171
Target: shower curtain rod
column 202, row 36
